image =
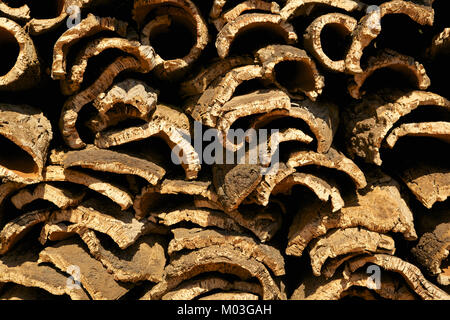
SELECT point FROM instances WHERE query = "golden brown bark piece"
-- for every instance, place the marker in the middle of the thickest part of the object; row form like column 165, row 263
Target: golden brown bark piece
column 20, row 14
column 22, row 293
column 215, row 258
column 86, row 28
column 344, row 26
column 378, row 208
column 25, row 135
column 62, row 197
column 168, row 123
column 440, row 44
column 322, row 119
column 230, row 296
column 292, row 70
column 432, row 250
column 370, row 27
column 196, row 238
column 412, row 275
column 371, row 120
column 333, row 159
column 395, row 61
column 96, row 183
column 7, row 189
column 439, row 130
column 93, row 277
column 191, row 289
column 344, row 241
column 293, row 8
column 20, row 266
column 245, row 22
column 20, row 68
column 15, row 230
column 114, row 162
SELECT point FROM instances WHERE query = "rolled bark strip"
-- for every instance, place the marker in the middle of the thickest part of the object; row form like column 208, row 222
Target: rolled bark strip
column 439, row 130
column 293, row 8
column 292, row 70
column 412, row 275
column 215, row 258
column 20, row 14
column 86, row 28
column 248, row 21
column 249, row 5
column 370, row 27
column 70, row 253
column 342, row 24
column 25, row 135
column 382, row 196
column 371, row 120
column 344, row 241
column 192, row 239
column 432, row 250
column 396, row 62
column 20, row 69
column 20, row 266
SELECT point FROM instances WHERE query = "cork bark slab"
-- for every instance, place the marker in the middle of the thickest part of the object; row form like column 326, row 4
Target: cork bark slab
column 439, row 130
column 371, row 120
column 16, row 292
column 230, row 296
column 26, row 135
column 302, row 78
column 293, row 8
column 196, row 238
column 94, row 278
column 440, row 44
column 20, row 14
column 378, row 208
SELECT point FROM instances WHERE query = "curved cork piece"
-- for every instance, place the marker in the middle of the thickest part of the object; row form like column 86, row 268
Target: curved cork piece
column 191, row 289
column 333, row 159
column 342, row 23
column 293, row 8
column 369, row 28
column 16, row 229
column 21, row 13
column 440, row 43
column 324, row 190
column 432, row 250
column 104, row 217
column 62, row 197
column 439, row 130
column 69, row 253
column 196, row 238
column 292, row 70
column 114, row 192
column 7, row 189
column 166, row 122
column 412, row 275
column 391, row 287
column 20, row 64
column 86, row 28
column 371, row 120
column 150, row 195
column 16, row 292
column 183, row 12
column 21, row 267
column 114, row 162
column 223, row 259
column 230, row 296
column 234, row 13
column 74, row 79
column 395, row 61
column 344, row 241
column 322, row 119
column 247, row 21
column 25, row 136
column 378, row 208
column 198, row 84
column 207, row 109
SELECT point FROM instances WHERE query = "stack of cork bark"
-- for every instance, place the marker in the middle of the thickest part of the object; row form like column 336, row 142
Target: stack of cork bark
column 105, row 192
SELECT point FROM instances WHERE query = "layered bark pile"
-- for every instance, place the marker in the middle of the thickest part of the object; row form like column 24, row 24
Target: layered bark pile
column 106, row 190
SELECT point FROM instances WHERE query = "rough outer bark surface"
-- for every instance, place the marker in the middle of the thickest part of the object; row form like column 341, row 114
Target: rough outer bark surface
column 201, row 238
column 440, row 43
column 293, row 8
column 313, row 42
column 29, row 130
column 26, row 72
column 378, row 208
column 370, row 121
column 344, row 241
column 246, row 21
column 439, row 130
column 395, row 61
column 273, row 55
column 94, row 278
column 223, row 259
